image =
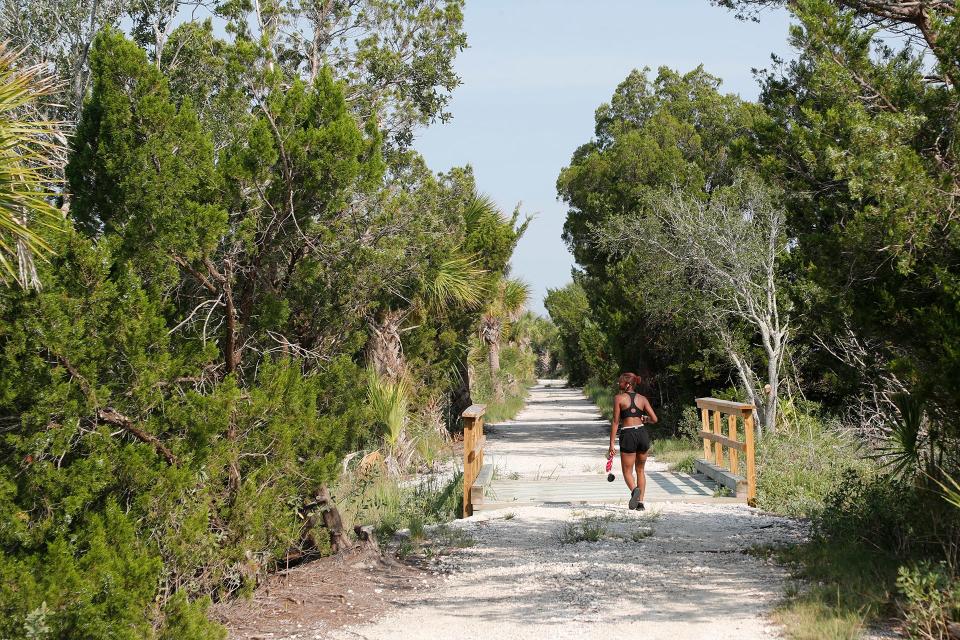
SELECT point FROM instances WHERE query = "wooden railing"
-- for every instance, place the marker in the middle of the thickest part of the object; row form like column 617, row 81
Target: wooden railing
column 725, row 470
column 473, row 470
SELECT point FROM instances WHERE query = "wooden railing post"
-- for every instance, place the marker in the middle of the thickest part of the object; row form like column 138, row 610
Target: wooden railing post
column 717, row 447
column 706, row 427
column 473, row 442
column 751, row 460
column 732, row 434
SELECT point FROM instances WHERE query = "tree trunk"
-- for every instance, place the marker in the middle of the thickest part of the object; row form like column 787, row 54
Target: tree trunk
column 493, row 359
column 332, row 521
column 460, row 396
column 773, row 380
column 384, row 350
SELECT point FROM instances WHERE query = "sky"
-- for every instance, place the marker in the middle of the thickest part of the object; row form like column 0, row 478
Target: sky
column 535, row 73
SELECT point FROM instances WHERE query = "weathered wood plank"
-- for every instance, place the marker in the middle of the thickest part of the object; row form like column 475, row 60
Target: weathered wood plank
column 751, row 460
column 718, row 451
column 705, row 413
column 736, row 484
column 475, row 411
column 725, row 441
column 726, row 406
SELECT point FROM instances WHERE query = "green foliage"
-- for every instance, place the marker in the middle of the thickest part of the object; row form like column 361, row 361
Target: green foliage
column 588, row 529
column 370, row 498
column 803, row 462
column 515, row 376
column 863, row 177
column 932, row 599
column 679, row 454
column 192, row 372
column 388, row 403
column 583, row 346
column 845, row 589
column 672, row 131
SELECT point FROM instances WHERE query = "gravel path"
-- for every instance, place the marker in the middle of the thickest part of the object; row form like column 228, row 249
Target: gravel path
column 675, row 572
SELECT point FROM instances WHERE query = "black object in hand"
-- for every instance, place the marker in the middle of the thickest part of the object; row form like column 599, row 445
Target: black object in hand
column 610, row 477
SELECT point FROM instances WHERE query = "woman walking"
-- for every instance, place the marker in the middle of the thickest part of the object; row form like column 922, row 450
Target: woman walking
column 634, row 412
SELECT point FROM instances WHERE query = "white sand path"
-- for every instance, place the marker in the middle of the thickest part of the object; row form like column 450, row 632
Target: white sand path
column 689, row 579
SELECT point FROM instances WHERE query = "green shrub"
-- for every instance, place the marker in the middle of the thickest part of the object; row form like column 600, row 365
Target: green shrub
column 844, row 588
column 802, row 462
column 874, row 509
column 931, row 599
column 516, row 376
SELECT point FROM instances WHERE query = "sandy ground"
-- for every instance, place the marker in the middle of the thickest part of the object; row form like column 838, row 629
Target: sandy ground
column 675, row 572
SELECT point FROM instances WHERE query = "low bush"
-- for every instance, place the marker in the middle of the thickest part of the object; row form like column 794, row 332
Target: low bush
column 882, row 545
column 802, row 462
column 931, row 600
column 843, row 589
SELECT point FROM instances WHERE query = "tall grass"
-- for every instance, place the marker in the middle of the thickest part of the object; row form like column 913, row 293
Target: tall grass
column 802, row 462
column 677, row 453
column 377, row 499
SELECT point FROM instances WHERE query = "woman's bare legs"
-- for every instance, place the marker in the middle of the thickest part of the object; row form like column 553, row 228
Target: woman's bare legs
column 641, row 476
column 627, row 462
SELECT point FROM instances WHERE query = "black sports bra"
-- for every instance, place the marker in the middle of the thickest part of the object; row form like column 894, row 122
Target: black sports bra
column 633, row 411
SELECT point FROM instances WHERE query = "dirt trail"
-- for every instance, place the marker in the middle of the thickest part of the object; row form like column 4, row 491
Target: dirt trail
column 675, row 572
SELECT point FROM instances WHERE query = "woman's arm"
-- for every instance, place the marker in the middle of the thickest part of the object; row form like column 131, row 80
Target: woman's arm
column 645, row 407
column 614, row 425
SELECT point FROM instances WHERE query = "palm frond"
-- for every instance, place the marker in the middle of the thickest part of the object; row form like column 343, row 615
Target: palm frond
column 514, row 297
column 29, row 149
column 902, row 453
column 458, row 281
column 478, row 207
column 389, row 400
column 951, row 490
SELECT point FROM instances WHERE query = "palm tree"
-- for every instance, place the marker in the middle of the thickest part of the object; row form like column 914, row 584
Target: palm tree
column 29, row 148
column 507, row 305
column 458, row 281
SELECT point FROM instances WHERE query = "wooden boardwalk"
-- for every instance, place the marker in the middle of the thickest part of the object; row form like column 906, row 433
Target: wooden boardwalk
column 554, row 452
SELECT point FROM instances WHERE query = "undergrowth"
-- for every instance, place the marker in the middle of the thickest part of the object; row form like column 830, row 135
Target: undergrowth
column 883, row 547
column 589, row 529
column 841, row 589
column 515, row 377
column 381, row 501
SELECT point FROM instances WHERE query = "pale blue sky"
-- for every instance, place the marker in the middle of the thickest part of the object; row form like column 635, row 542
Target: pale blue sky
column 536, row 71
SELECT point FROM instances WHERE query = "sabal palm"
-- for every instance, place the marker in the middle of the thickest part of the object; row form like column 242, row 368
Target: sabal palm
column 507, row 305
column 29, row 149
column 457, row 282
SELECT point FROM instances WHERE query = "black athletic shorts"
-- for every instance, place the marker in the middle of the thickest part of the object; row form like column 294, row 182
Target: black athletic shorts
column 634, row 440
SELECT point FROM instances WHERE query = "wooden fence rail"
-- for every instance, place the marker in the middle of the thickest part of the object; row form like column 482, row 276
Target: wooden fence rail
column 725, row 470
column 475, row 475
